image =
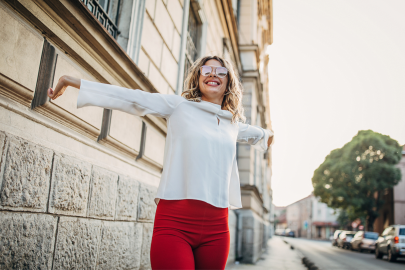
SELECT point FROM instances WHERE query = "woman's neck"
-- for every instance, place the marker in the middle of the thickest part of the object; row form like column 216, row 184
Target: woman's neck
column 217, row 100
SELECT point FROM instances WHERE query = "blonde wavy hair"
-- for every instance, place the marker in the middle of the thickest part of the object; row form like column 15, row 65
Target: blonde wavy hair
column 233, row 94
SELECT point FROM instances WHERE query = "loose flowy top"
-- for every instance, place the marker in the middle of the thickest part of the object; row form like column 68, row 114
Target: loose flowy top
column 200, row 152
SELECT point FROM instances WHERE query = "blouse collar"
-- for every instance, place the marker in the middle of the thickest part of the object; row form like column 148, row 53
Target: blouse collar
column 214, row 108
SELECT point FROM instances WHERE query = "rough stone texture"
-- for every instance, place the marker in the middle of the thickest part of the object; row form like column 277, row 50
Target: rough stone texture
column 120, row 246
column 147, row 205
column 103, row 193
column 127, row 201
column 70, row 186
column 27, row 171
column 77, row 242
column 26, row 240
column 146, row 242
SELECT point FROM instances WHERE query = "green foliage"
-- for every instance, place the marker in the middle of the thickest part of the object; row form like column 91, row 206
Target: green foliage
column 347, row 216
column 354, row 177
column 343, row 219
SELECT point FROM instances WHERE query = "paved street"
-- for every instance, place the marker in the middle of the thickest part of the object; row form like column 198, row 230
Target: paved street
column 278, row 256
column 327, row 257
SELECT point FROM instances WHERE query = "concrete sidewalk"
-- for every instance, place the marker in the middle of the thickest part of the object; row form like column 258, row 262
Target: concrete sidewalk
column 279, row 256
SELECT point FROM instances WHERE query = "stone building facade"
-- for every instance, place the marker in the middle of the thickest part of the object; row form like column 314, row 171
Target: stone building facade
column 77, row 185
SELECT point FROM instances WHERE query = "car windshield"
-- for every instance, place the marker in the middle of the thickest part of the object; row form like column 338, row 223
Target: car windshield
column 370, row 235
column 402, row 231
column 349, row 235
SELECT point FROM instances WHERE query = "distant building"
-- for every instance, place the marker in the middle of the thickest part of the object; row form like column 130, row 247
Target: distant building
column 393, row 210
column 299, row 217
column 323, row 221
column 399, row 193
column 280, row 218
column 311, row 219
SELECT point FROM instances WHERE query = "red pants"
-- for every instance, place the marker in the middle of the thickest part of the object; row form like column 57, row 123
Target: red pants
column 189, row 234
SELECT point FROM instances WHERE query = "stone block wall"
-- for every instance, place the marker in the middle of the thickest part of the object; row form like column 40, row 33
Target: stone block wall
column 59, row 212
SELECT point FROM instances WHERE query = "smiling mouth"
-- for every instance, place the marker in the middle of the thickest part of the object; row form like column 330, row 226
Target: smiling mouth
column 212, row 83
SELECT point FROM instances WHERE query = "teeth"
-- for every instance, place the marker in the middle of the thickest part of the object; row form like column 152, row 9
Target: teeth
column 213, row 83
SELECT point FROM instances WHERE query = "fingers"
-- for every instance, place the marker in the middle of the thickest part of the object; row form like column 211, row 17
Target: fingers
column 61, row 86
column 54, row 94
column 59, row 89
column 50, row 92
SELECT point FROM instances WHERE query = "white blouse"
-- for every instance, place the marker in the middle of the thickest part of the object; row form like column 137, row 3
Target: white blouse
column 200, row 153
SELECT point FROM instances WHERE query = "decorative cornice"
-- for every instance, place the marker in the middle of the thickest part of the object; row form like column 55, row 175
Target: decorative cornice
column 253, row 189
column 15, row 91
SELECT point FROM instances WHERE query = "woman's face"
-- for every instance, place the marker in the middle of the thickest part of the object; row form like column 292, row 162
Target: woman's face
column 211, row 86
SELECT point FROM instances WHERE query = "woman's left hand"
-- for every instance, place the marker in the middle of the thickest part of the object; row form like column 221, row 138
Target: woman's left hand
column 270, row 140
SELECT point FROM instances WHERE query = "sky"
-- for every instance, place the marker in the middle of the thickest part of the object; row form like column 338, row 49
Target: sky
column 336, row 67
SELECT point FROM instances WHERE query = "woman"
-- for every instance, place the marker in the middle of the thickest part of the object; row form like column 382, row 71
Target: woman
column 200, row 176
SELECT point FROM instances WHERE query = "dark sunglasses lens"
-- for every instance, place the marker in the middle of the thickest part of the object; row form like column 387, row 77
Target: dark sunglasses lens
column 205, row 70
column 221, row 71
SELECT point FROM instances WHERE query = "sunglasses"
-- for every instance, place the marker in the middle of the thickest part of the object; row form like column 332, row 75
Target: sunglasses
column 221, row 72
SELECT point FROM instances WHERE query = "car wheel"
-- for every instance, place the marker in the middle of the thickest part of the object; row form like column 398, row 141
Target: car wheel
column 360, row 249
column 378, row 254
column 391, row 257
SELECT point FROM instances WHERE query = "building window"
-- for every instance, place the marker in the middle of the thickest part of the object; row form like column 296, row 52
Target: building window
column 106, row 12
column 193, row 34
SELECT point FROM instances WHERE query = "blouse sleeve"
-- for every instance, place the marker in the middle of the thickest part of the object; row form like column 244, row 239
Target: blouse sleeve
column 136, row 102
column 254, row 135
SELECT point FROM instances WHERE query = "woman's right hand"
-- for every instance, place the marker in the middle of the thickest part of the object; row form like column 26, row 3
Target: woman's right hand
column 61, row 86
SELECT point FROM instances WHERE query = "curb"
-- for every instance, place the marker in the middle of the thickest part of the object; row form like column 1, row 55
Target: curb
column 305, row 261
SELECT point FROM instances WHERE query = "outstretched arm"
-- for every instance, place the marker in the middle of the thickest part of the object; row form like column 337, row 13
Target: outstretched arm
column 255, row 135
column 113, row 97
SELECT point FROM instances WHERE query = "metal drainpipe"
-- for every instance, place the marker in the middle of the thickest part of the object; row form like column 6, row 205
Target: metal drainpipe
column 180, row 74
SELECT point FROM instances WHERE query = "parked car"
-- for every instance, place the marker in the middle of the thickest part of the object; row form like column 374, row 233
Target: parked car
column 391, row 242
column 364, row 241
column 335, row 237
column 290, row 234
column 344, row 239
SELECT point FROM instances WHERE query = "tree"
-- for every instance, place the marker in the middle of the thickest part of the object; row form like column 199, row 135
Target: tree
column 354, row 177
column 343, row 220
